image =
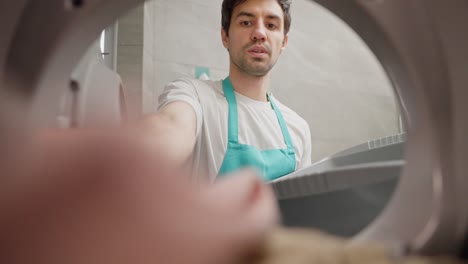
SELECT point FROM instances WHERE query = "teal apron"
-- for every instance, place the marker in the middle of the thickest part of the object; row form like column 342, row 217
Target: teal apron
column 272, row 163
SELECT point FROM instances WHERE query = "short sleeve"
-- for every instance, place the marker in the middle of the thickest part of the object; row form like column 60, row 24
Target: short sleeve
column 182, row 90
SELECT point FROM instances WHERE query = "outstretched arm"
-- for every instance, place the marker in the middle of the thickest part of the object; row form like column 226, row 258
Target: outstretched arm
column 172, row 131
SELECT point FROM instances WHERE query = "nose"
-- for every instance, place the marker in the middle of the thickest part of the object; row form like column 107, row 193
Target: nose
column 259, row 32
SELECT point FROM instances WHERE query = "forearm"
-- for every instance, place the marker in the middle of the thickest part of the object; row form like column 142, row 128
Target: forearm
column 169, row 141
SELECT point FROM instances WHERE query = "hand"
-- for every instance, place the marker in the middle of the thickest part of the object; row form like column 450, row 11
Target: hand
column 101, row 197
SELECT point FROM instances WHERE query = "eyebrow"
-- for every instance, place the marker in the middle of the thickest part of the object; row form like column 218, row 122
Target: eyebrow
column 247, row 14
column 275, row 17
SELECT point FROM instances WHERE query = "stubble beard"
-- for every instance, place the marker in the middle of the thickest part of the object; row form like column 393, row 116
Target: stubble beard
column 252, row 66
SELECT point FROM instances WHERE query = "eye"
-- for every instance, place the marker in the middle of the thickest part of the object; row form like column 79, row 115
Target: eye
column 246, row 23
column 271, row 26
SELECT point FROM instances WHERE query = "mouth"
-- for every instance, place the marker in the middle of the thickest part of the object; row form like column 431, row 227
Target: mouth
column 258, row 51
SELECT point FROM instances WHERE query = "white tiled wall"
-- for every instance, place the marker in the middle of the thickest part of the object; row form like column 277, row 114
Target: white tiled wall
column 129, row 59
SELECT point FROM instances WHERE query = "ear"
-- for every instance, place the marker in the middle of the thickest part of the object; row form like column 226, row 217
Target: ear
column 225, row 38
column 285, row 42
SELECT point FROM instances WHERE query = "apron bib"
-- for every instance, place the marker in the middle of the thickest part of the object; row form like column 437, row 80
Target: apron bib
column 272, row 163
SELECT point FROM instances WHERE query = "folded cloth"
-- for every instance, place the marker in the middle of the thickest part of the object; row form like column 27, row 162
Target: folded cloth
column 303, row 246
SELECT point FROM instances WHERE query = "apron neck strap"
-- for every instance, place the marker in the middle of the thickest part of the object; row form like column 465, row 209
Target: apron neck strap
column 233, row 135
column 282, row 123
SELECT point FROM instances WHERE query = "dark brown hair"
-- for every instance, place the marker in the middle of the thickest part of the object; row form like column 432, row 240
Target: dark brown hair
column 229, row 5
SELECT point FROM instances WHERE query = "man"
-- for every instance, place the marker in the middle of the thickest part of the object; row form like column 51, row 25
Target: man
column 222, row 126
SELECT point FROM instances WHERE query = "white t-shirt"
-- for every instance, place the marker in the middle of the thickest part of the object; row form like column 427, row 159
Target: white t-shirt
column 257, row 121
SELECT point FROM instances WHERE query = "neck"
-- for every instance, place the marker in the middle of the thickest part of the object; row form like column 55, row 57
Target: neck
column 254, row 87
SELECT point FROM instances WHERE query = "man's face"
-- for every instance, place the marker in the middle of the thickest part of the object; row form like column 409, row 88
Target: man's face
column 256, row 36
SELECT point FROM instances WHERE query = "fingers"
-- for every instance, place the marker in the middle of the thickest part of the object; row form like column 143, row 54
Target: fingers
column 81, row 188
column 251, row 203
